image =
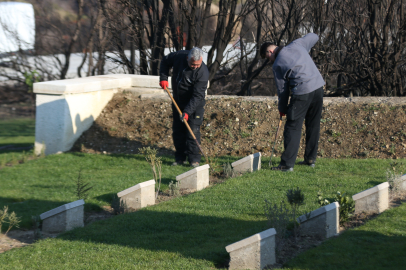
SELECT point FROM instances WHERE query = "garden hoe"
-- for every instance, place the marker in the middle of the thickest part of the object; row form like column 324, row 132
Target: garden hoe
column 276, row 137
column 187, row 125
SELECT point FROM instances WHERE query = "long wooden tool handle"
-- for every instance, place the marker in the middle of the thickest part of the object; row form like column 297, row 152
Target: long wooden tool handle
column 187, row 125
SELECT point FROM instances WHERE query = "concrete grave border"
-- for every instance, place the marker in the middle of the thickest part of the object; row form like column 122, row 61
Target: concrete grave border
column 139, row 196
column 324, row 221
column 64, row 217
column 372, row 200
column 195, row 179
column 254, row 252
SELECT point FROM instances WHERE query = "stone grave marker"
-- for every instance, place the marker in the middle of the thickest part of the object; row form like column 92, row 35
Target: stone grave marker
column 63, row 218
column 373, row 200
column 248, row 164
column 139, row 196
column 254, row 252
column 195, row 179
column 323, row 222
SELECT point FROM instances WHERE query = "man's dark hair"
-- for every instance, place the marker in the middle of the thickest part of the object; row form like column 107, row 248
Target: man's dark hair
column 264, row 46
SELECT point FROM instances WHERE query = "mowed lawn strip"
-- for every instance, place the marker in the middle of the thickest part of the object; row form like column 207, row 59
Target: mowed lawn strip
column 188, row 232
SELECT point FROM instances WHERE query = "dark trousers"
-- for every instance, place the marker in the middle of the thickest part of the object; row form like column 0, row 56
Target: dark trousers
column 185, row 145
column 306, row 107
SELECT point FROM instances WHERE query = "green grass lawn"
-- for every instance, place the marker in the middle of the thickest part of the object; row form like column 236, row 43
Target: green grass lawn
column 188, row 232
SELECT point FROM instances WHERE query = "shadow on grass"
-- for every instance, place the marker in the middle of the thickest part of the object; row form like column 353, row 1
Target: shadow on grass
column 15, row 147
column 355, row 249
column 197, row 236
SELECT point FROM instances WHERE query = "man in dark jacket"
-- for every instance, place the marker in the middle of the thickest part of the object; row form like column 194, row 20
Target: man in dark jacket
column 189, row 83
column 296, row 75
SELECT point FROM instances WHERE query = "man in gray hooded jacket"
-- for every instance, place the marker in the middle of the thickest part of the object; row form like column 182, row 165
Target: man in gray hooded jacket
column 297, row 76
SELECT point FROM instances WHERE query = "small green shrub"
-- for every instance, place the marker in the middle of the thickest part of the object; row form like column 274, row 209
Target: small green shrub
column 118, row 206
column 174, row 188
column 82, row 188
column 279, row 217
column 31, row 78
column 228, row 170
column 36, row 224
column 347, row 205
column 10, row 218
column 214, row 165
column 295, row 199
column 155, row 163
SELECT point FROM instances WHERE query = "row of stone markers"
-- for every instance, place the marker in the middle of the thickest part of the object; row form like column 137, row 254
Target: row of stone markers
column 258, row 251
column 69, row 216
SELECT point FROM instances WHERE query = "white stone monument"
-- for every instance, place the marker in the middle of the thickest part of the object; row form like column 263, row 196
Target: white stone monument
column 139, row 196
column 195, row 179
column 248, row 164
column 254, row 252
column 63, row 218
column 323, row 222
column 373, row 200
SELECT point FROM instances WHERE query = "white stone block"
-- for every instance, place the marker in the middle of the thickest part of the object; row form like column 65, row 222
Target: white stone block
column 195, row 179
column 248, row 164
column 254, row 252
column 323, row 222
column 61, row 119
column 139, row 196
column 63, row 218
column 373, row 200
column 82, row 85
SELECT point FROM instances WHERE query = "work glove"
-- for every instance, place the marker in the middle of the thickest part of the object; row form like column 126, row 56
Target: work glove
column 281, row 114
column 184, row 116
column 164, row 84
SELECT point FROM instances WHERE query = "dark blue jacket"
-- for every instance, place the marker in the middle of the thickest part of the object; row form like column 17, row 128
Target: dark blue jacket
column 189, row 86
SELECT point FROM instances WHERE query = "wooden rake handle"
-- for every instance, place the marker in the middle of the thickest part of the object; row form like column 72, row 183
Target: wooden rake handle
column 186, row 123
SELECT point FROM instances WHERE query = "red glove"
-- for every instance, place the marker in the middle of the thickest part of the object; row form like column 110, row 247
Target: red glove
column 281, row 114
column 185, row 116
column 164, row 84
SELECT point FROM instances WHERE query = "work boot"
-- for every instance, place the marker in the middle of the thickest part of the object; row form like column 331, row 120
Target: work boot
column 282, row 168
column 307, row 163
column 179, row 162
column 195, row 164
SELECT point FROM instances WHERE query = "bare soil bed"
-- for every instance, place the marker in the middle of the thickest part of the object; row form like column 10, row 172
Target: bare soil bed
column 239, row 127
